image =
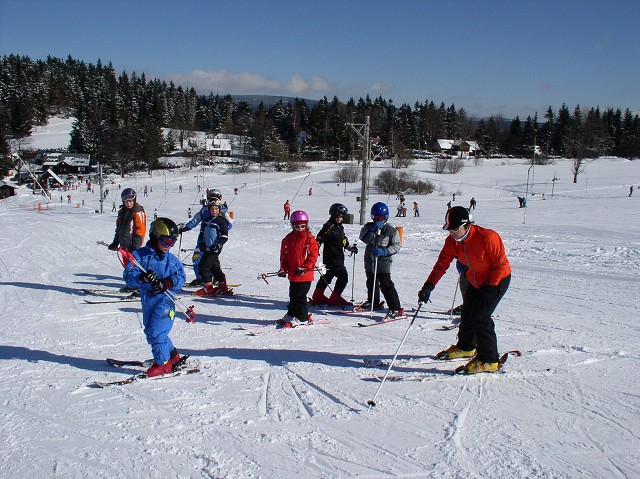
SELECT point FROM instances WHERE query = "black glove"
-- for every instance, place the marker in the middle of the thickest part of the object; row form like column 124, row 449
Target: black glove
column 113, row 246
column 149, row 277
column 184, row 229
column 425, row 292
column 282, row 273
column 300, row 271
column 353, row 249
column 161, row 285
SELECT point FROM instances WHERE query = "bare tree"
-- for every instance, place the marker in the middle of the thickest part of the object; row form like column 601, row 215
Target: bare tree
column 439, row 165
column 454, row 165
column 577, row 166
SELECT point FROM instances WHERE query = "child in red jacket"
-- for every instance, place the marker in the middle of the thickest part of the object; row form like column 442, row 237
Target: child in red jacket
column 298, row 256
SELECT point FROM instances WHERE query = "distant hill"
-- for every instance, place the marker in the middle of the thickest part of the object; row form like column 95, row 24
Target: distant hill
column 269, row 100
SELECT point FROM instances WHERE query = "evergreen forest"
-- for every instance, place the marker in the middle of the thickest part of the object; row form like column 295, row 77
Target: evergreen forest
column 120, row 120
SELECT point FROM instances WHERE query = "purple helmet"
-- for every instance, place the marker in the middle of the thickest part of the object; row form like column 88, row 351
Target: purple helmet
column 299, row 216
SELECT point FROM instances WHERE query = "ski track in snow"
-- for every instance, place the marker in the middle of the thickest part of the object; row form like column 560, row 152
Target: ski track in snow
column 294, row 404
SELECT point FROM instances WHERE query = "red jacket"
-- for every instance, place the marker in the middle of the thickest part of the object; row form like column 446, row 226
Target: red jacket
column 482, row 252
column 299, row 249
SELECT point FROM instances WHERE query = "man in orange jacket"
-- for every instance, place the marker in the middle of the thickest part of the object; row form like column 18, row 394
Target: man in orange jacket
column 481, row 250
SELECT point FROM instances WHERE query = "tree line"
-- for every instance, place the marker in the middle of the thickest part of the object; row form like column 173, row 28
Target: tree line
column 120, row 120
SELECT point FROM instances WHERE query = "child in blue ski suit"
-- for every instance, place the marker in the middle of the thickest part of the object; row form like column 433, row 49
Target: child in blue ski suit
column 163, row 272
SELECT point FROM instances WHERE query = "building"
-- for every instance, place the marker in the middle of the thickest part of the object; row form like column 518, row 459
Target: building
column 454, row 147
column 67, row 163
column 6, row 190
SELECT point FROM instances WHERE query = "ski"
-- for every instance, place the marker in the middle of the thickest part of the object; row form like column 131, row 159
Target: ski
column 125, row 299
column 110, row 292
column 138, row 377
column 273, row 329
column 384, row 321
column 459, row 371
column 375, row 363
column 118, row 363
column 179, row 369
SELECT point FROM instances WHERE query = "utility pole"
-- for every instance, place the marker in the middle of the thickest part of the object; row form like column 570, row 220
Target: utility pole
column 101, row 185
column 362, row 130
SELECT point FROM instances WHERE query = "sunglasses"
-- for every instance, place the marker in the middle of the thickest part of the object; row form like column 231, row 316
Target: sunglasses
column 300, row 227
column 379, row 218
column 167, row 241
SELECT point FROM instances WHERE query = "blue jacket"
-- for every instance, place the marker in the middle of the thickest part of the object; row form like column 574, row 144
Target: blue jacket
column 164, row 265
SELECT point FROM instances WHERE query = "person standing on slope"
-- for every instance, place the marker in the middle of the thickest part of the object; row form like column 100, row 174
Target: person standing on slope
column 482, row 252
column 298, row 256
column 164, row 272
column 201, row 217
column 335, row 243
column 214, row 237
column 383, row 241
column 131, row 223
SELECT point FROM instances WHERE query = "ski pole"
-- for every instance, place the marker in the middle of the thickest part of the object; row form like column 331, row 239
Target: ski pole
column 322, row 273
column 353, row 275
column 375, row 275
column 453, row 303
column 372, row 402
column 189, row 312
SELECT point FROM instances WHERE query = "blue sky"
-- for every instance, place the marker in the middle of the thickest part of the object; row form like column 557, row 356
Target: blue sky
column 489, row 57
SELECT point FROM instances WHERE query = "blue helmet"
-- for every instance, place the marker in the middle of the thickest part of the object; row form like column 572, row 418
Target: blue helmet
column 380, row 209
column 128, row 194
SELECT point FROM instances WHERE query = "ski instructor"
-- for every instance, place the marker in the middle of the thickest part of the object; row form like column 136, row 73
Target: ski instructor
column 481, row 250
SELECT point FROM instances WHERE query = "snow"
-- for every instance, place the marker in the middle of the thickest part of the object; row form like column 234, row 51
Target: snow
column 293, row 403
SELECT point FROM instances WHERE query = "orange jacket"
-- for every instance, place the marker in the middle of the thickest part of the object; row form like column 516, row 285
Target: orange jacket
column 482, row 252
column 299, row 249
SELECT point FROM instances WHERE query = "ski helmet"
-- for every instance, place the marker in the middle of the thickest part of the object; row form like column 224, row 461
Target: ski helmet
column 338, row 209
column 211, row 194
column 380, row 209
column 456, row 217
column 162, row 228
column 299, row 216
column 128, row 194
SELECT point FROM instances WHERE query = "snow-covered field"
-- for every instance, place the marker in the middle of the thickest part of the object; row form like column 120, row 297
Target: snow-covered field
column 293, row 403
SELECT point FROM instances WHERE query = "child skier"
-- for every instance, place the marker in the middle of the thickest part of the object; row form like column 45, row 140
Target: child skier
column 298, row 256
column 214, row 237
column 131, row 224
column 335, row 242
column 163, row 272
column 482, row 252
column 201, row 217
column 383, row 241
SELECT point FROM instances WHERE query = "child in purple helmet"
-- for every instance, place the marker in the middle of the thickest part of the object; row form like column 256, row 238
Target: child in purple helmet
column 298, row 256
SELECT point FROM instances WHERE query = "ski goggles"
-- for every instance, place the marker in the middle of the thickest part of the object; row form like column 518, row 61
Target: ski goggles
column 167, row 241
column 129, row 198
column 380, row 218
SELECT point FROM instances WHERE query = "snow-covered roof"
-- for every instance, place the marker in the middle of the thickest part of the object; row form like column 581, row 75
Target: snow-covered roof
column 445, row 144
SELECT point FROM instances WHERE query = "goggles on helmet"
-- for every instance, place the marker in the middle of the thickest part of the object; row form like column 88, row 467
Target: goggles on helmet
column 128, row 197
column 167, row 241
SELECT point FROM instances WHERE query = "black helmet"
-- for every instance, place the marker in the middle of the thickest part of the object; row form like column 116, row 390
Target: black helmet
column 456, row 217
column 128, row 194
column 338, row 209
column 162, row 228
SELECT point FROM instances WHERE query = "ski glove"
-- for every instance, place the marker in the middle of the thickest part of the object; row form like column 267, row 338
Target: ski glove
column 149, row 277
column 425, row 292
column 114, row 246
column 184, row 229
column 161, row 285
column 380, row 252
column 300, row 271
column 282, row 273
column 353, row 249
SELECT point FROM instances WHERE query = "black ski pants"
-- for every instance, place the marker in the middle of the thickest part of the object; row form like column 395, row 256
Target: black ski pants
column 298, row 300
column 386, row 286
column 339, row 272
column 209, row 268
column 477, row 329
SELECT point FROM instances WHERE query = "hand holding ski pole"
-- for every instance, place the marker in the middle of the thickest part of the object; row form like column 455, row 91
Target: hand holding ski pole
column 189, row 312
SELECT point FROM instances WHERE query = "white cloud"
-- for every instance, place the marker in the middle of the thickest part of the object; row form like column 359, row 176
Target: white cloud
column 296, row 85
